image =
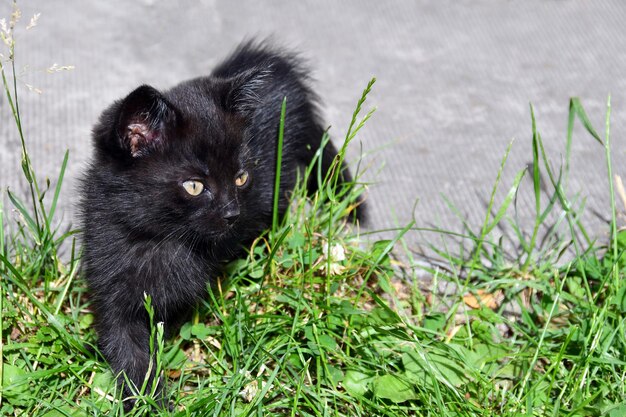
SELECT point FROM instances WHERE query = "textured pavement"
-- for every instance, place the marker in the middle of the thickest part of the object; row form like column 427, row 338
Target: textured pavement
column 455, row 79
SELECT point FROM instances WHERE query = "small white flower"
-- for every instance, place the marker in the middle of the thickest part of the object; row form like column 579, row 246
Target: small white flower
column 6, row 38
column 335, row 254
column 338, row 253
column 33, row 21
column 15, row 16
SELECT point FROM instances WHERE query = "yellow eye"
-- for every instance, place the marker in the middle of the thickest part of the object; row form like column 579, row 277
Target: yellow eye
column 193, row 187
column 241, row 179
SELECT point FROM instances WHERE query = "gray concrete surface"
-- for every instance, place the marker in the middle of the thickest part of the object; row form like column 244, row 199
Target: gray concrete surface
column 455, row 79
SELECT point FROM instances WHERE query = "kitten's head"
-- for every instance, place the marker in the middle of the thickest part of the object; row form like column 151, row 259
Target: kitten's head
column 176, row 164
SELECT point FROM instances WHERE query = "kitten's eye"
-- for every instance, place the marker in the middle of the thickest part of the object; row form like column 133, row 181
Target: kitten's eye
column 242, row 179
column 193, row 187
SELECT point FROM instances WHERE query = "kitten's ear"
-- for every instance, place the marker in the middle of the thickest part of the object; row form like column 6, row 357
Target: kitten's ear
column 244, row 92
column 143, row 118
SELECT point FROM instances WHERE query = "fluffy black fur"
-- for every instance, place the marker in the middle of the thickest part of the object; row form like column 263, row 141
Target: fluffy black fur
column 143, row 233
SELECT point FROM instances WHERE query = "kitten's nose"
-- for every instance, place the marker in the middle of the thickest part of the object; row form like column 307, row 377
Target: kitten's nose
column 231, row 215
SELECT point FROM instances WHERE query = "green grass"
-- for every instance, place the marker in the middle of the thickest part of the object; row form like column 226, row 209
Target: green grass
column 293, row 331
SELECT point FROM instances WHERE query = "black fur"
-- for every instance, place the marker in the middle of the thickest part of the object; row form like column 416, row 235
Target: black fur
column 143, row 233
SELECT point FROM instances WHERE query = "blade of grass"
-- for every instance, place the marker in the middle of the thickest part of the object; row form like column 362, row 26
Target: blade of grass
column 609, row 169
column 537, row 191
column 30, row 222
column 577, row 108
column 506, row 202
column 57, row 189
column 3, row 248
column 279, row 159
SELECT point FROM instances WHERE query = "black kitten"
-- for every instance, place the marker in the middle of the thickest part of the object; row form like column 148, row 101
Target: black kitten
column 179, row 181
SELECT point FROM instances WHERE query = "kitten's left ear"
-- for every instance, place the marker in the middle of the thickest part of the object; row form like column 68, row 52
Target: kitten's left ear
column 245, row 91
column 143, row 118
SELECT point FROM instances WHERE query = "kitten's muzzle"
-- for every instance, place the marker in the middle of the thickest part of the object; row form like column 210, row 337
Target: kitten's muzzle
column 231, row 215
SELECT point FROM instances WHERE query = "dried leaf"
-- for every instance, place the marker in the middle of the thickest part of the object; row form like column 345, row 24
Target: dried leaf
column 174, row 373
column 483, row 299
column 250, row 391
